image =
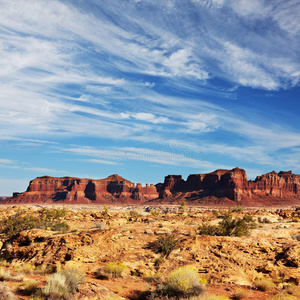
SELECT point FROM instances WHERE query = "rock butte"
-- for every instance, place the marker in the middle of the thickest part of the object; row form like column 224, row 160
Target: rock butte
column 221, row 187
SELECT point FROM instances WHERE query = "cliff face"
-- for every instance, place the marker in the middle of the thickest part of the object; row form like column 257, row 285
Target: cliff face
column 76, row 190
column 233, row 184
column 220, row 187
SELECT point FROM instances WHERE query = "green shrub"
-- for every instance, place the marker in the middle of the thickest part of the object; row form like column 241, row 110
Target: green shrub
column 228, row 226
column 165, row 244
column 60, row 226
column 184, row 281
column 43, row 219
column 238, row 208
column 105, row 210
column 264, row 284
column 182, row 206
column 5, row 293
column 154, row 213
column 111, row 270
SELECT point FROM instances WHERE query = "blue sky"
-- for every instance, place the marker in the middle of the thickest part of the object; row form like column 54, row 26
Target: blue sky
column 147, row 88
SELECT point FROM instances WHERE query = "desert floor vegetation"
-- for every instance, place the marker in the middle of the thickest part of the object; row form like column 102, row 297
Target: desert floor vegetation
column 137, row 254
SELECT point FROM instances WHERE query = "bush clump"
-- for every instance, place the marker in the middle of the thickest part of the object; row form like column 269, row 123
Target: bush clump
column 165, row 244
column 63, row 283
column 264, row 284
column 182, row 282
column 43, row 219
column 111, row 270
column 229, row 226
column 30, row 287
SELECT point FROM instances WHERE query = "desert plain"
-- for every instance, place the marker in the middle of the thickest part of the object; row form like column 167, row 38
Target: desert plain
column 96, row 236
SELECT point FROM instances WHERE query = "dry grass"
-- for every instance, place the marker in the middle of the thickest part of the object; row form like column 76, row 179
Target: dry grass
column 264, row 284
column 111, row 270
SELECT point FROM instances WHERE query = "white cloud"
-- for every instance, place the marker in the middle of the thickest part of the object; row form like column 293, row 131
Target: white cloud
column 147, row 117
column 6, row 161
column 123, row 154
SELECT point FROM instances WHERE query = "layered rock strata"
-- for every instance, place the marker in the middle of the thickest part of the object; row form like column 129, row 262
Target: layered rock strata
column 219, row 187
column 233, row 185
column 76, row 190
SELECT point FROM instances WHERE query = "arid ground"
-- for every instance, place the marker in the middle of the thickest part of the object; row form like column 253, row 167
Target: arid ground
column 229, row 266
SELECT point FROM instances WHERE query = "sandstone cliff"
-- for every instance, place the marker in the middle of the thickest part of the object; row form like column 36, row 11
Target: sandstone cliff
column 267, row 189
column 221, row 187
column 76, row 190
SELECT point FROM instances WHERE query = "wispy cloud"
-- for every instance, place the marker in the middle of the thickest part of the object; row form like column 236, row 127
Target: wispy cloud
column 139, row 74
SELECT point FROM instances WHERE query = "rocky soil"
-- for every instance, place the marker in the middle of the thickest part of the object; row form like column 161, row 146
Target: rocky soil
column 272, row 250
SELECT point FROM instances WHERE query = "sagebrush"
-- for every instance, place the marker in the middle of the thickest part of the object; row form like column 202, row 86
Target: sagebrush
column 229, row 226
column 43, row 219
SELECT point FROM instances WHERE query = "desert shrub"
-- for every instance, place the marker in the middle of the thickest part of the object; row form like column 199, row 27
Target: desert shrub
column 5, row 293
column 105, row 210
column 238, row 208
column 63, row 283
column 215, row 213
column 182, row 207
column 74, row 277
column 24, row 268
column 111, row 270
column 264, row 284
column 56, row 287
column 239, row 294
column 5, row 275
column 183, row 281
column 30, row 287
column 228, row 226
column 165, row 244
column 60, row 226
column 207, row 229
column 43, row 219
column 264, row 220
column 154, row 212
column 134, row 213
column 158, row 261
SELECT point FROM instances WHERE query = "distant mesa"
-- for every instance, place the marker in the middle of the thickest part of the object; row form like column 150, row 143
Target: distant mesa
column 221, row 187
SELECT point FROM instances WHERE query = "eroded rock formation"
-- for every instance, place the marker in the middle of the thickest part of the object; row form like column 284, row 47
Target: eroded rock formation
column 76, row 190
column 233, row 184
column 221, row 187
